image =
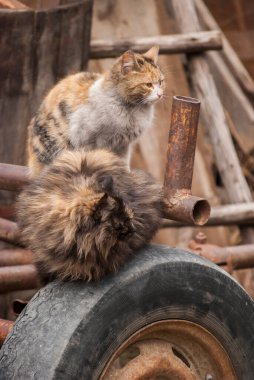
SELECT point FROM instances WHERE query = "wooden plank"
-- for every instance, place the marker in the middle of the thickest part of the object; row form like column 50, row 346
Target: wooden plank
column 16, row 47
column 169, row 44
column 61, row 36
column 235, row 64
column 234, row 100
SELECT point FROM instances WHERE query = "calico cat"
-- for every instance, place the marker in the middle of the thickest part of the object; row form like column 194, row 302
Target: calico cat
column 85, row 213
column 96, row 111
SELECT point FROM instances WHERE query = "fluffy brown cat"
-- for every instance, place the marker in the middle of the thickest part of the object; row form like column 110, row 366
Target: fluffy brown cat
column 92, row 111
column 86, row 213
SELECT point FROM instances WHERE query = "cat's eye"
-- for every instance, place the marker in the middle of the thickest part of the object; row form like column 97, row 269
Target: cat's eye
column 140, row 62
column 149, row 85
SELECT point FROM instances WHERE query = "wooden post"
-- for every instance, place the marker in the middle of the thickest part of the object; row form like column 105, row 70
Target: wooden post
column 215, row 121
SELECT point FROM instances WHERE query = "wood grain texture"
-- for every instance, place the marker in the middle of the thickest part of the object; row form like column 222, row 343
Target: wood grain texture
column 212, row 110
column 169, row 44
column 235, row 64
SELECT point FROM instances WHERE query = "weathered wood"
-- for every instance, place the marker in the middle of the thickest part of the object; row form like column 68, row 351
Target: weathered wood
column 9, row 231
column 65, row 53
column 227, row 215
column 12, row 4
column 226, row 158
column 37, row 49
column 235, row 64
column 16, row 67
column 13, row 177
column 235, row 102
column 232, row 96
column 169, row 44
column 213, row 114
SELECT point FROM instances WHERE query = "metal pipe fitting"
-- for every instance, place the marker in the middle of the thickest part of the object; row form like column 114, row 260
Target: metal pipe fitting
column 181, row 205
column 231, row 257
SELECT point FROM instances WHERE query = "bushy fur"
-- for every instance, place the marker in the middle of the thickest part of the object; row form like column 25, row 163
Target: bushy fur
column 97, row 111
column 86, row 213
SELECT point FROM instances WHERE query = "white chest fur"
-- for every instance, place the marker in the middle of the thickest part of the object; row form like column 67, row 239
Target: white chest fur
column 104, row 121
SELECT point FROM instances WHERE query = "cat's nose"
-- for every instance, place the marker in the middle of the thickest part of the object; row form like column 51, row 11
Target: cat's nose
column 159, row 94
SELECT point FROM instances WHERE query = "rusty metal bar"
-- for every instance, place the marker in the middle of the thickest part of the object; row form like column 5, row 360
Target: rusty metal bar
column 13, row 177
column 181, row 205
column 11, row 257
column 9, row 231
column 20, row 277
column 5, row 328
column 233, row 257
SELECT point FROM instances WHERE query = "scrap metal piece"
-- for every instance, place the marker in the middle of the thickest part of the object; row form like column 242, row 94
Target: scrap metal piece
column 232, row 257
column 180, row 204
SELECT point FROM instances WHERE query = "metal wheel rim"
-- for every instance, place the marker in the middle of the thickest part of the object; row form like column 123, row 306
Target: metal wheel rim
column 170, row 350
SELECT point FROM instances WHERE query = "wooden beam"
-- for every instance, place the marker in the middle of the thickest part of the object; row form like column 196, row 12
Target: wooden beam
column 169, row 44
column 233, row 61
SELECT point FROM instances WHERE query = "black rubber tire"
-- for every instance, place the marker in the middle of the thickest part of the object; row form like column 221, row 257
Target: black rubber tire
column 70, row 330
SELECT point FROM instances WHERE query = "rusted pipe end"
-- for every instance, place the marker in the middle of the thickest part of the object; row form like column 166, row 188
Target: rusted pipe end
column 187, row 208
column 201, row 211
column 187, row 99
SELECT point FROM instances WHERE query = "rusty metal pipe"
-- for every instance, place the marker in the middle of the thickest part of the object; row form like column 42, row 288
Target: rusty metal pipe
column 13, row 177
column 5, row 328
column 10, row 257
column 180, row 204
column 233, row 257
column 20, row 277
column 9, row 231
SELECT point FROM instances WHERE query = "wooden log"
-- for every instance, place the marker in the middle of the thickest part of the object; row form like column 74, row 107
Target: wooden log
column 13, row 177
column 18, row 277
column 215, row 121
column 227, row 215
column 12, row 4
column 17, row 256
column 169, row 44
column 9, row 231
column 235, row 64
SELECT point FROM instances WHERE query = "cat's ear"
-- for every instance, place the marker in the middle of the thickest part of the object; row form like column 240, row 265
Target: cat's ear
column 153, row 53
column 129, row 62
column 106, row 184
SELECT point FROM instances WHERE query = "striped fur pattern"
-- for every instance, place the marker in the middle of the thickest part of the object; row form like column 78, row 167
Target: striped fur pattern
column 86, row 213
column 95, row 111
